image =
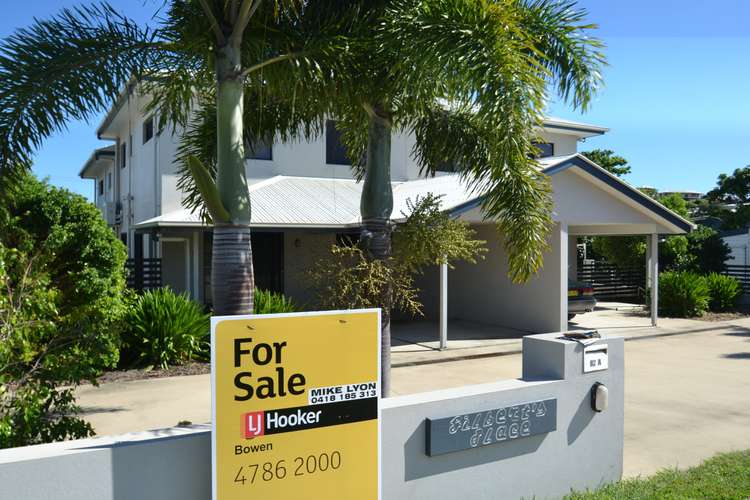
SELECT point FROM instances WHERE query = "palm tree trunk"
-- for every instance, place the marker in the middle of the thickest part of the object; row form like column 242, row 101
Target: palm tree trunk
column 232, row 280
column 376, row 206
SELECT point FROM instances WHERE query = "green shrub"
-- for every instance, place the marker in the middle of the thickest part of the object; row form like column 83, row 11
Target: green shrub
column 266, row 302
column 164, row 328
column 61, row 284
column 724, row 291
column 683, row 294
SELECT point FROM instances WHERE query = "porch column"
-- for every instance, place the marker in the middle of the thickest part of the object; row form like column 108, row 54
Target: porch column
column 563, row 286
column 444, row 305
column 653, row 276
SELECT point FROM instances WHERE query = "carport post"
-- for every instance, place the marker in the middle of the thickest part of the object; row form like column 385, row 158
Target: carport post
column 444, row 305
column 653, row 276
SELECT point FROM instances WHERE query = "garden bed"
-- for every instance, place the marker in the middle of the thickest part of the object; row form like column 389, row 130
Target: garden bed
column 193, row 368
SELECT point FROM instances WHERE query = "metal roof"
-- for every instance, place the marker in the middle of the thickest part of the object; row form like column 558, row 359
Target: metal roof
column 313, row 202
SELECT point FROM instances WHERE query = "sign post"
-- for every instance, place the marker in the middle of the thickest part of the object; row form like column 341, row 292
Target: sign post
column 295, row 405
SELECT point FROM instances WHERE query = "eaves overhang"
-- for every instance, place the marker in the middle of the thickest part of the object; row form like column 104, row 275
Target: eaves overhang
column 607, row 178
column 622, row 187
column 98, row 154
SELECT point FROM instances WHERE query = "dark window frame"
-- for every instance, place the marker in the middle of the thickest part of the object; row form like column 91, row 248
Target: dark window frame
column 446, row 166
column 101, row 187
column 148, row 129
column 259, row 150
column 544, row 148
column 336, row 153
column 123, row 155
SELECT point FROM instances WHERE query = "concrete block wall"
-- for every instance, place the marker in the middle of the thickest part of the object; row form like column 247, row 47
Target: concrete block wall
column 585, row 450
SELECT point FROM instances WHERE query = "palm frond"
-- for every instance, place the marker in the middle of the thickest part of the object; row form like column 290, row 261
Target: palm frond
column 563, row 44
column 69, row 67
column 265, row 117
column 500, row 168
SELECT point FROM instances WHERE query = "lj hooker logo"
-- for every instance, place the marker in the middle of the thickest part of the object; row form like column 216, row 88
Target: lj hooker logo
column 252, row 424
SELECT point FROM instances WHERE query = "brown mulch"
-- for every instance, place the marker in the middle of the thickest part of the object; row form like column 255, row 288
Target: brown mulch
column 192, row 368
column 723, row 316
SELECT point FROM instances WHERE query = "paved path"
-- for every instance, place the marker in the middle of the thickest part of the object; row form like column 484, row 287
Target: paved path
column 687, row 396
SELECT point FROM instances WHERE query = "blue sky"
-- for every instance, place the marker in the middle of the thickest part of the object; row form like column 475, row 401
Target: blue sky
column 676, row 93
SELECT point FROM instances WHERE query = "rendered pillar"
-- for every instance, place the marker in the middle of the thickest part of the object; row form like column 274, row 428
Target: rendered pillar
column 444, row 306
column 654, row 275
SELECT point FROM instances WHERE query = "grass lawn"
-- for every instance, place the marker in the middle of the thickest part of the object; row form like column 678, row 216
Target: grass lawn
column 724, row 476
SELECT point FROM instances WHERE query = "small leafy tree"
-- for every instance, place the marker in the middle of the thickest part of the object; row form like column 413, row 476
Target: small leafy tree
column 708, row 252
column 61, row 284
column 609, row 161
column 347, row 279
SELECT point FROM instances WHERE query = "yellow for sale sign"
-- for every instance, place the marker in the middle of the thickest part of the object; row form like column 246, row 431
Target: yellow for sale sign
column 295, row 401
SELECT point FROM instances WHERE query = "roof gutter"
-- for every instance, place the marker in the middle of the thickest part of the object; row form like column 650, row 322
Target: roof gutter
column 96, row 156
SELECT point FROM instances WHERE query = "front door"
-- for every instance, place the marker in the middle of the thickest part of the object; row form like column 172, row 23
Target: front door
column 268, row 261
column 175, row 270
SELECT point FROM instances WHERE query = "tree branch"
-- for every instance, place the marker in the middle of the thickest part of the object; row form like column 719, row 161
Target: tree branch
column 268, row 62
column 220, row 38
column 247, row 9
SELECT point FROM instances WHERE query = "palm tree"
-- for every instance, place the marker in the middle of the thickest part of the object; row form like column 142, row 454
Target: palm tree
column 470, row 79
column 217, row 54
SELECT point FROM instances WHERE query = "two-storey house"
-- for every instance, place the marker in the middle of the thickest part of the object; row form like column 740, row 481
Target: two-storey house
column 305, row 199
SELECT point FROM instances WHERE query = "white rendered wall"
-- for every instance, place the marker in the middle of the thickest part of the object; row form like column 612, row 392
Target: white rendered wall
column 483, row 293
column 564, row 144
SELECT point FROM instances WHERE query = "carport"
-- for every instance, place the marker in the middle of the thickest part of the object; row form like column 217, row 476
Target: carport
column 588, row 201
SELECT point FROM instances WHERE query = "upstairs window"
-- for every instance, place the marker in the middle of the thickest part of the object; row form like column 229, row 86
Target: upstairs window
column 123, row 155
column 101, row 187
column 446, row 166
column 335, row 150
column 261, row 149
column 109, row 181
column 148, row 129
column 545, row 149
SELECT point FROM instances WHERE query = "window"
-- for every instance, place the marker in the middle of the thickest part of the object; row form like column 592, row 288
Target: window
column 101, row 187
column 545, row 149
column 124, row 238
column 148, row 129
column 259, row 150
column 109, row 181
column 123, row 155
column 446, row 166
column 335, row 150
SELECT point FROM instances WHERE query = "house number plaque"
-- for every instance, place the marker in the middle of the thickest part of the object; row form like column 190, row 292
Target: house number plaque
column 471, row 430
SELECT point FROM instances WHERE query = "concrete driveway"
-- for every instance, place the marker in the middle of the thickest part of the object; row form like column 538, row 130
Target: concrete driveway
column 687, row 392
